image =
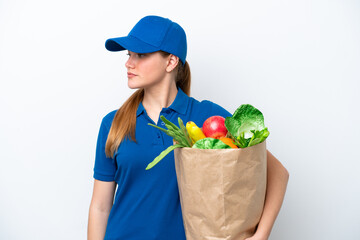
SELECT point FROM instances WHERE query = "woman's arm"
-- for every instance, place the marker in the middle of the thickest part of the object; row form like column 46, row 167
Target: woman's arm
column 100, row 206
column 277, row 178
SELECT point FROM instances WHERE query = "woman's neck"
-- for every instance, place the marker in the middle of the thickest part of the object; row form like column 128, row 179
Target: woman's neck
column 157, row 98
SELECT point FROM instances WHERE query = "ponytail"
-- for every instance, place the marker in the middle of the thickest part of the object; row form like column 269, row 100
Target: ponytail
column 124, row 123
column 183, row 78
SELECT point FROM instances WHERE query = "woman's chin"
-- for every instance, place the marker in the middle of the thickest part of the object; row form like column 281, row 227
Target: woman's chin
column 133, row 86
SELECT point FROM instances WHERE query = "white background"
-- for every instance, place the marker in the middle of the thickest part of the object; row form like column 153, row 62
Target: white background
column 297, row 61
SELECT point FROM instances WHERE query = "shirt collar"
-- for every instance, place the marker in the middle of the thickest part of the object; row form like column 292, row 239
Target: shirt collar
column 181, row 102
column 140, row 109
column 179, row 105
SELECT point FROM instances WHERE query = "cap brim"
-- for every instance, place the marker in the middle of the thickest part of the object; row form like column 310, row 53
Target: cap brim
column 129, row 43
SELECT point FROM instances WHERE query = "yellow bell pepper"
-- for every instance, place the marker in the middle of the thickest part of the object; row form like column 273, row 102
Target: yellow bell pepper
column 194, row 131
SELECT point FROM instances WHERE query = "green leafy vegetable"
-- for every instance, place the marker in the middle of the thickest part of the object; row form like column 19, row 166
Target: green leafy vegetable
column 180, row 135
column 210, row 143
column 162, row 155
column 185, row 133
column 258, row 137
column 246, row 126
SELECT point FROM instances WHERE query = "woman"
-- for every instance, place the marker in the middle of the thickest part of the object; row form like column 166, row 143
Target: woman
column 146, row 204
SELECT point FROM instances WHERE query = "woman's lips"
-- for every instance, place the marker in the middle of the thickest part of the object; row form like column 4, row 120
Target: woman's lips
column 130, row 75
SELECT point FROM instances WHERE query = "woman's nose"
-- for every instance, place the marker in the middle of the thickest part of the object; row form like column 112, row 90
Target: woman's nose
column 129, row 63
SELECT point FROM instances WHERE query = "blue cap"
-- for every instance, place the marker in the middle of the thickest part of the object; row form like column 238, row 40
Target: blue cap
column 151, row 34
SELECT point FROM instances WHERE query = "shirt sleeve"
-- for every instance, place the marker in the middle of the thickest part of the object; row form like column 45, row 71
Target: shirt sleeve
column 105, row 168
column 218, row 110
column 215, row 109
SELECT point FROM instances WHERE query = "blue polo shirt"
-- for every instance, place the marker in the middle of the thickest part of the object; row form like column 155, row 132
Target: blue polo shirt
column 146, row 204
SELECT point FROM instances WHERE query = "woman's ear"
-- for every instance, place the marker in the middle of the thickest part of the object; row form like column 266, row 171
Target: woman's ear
column 173, row 61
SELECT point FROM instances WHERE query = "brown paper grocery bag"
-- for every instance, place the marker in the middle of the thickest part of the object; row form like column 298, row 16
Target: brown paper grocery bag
column 222, row 191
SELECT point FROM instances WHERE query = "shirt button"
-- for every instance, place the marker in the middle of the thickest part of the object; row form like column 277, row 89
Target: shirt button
column 162, row 123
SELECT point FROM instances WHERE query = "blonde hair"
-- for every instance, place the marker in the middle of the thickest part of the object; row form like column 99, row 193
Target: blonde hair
column 124, row 122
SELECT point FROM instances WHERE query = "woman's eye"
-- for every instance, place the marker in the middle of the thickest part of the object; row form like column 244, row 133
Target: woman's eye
column 138, row 55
